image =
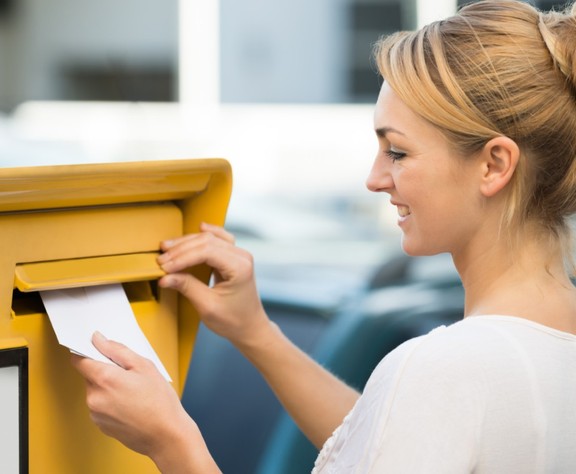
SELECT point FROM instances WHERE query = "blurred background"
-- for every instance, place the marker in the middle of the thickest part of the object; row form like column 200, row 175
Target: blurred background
column 285, row 92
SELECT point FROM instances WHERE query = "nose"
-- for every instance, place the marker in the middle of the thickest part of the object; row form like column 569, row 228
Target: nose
column 380, row 179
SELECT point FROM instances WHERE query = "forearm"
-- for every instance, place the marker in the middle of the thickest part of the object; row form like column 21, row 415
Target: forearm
column 316, row 399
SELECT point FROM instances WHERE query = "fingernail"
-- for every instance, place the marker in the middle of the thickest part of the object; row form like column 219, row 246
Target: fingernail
column 99, row 335
column 167, row 243
column 165, row 282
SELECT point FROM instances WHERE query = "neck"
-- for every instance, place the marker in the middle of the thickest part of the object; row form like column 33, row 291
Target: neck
column 528, row 282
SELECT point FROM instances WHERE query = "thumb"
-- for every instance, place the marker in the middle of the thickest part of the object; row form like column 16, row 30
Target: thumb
column 193, row 289
column 118, row 353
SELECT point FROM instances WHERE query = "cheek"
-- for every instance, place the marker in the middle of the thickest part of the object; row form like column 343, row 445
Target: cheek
column 437, row 206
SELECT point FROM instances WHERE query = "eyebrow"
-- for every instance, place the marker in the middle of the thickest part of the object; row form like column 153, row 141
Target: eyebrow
column 383, row 131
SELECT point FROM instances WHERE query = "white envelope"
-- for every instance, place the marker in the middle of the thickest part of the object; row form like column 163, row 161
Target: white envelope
column 77, row 313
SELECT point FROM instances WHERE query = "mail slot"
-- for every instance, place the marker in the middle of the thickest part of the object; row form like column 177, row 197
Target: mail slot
column 84, row 225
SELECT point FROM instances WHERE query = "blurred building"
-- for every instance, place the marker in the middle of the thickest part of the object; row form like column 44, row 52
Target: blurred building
column 270, row 51
column 297, row 52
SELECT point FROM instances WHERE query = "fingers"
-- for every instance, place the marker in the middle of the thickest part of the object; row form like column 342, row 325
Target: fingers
column 232, row 299
column 214, row 248
column 136, row 406
column 118, row 353
column 196, row 291
column 81, row 364
column 92, row 370
column 217, row 231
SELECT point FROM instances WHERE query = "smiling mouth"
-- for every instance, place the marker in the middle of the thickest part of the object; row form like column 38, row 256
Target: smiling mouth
column 403, row 211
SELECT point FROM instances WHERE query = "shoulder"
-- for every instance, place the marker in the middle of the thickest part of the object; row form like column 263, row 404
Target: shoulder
column 435, row 399
column 485, row 340
column 473, row 341
column 460, row 344
column 426, row 398
column 463, row 359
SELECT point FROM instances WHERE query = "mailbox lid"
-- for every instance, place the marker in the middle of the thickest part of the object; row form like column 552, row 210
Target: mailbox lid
column 59, row 274
column 63, row 186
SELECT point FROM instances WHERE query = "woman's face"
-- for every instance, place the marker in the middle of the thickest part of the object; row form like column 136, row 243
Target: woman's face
column 434, row 189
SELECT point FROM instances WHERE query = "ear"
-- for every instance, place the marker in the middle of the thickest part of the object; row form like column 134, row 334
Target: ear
column 499, row 159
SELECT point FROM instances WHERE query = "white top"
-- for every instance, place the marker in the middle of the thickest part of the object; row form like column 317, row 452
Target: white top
column 489, row 394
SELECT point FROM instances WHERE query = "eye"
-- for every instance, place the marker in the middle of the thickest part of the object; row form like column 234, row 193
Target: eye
column 394, row 155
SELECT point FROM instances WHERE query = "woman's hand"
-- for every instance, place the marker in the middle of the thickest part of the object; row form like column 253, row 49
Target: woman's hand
column 132, row 402
column 231, row 307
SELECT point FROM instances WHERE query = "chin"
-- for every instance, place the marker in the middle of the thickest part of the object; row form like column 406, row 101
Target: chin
column 415, row 250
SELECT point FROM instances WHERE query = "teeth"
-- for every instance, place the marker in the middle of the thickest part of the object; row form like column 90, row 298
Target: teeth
column 403, row 211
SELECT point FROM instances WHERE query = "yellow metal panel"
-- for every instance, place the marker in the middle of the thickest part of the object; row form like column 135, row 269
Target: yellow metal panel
column 91, row 271
column 49, row 187
column 63, row 225
column 12, row 343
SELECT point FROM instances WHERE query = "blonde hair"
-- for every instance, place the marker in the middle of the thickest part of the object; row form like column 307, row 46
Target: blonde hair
column 500, row 68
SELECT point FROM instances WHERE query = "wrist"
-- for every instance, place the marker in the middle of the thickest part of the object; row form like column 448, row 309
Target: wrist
column 260, row 340
column 184, row 452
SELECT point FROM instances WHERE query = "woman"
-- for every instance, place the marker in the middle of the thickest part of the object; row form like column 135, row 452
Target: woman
column 476, row 124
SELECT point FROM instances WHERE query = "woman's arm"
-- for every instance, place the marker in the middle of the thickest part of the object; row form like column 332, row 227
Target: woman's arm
column 316, row 399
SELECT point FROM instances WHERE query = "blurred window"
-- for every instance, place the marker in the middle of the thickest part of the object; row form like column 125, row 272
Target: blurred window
column 305, row 52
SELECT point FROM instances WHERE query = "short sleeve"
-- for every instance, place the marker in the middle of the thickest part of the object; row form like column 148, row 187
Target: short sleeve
column 431, row 419
column 420, row 412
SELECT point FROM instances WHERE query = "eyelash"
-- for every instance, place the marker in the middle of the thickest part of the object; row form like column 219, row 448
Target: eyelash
column 395, row 155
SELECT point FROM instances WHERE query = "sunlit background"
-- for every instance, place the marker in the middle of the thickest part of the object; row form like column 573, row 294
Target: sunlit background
column 283, row 90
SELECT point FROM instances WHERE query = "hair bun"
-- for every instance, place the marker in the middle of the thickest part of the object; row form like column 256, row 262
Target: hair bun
column 558, row 30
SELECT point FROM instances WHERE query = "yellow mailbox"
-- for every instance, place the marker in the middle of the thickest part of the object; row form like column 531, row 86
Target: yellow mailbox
column 81, row 225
